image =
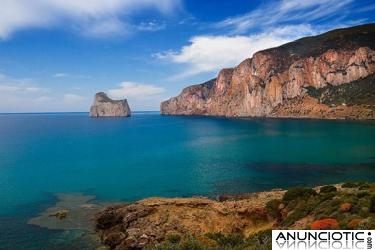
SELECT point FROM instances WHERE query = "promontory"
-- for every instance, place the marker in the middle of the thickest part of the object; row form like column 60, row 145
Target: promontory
column 328, row 76
column 104, row 106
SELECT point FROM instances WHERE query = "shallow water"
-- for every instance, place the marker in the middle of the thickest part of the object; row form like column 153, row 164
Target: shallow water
column 153, row 155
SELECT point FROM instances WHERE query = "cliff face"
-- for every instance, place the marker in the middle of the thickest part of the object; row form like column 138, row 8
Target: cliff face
column 280, row 80
column 103, row 106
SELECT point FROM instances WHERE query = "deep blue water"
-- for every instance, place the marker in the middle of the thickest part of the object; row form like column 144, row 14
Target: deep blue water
column 152, row 155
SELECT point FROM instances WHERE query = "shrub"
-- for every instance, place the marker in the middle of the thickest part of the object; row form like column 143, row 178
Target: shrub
column 367, row 224
column 260, row 240
column 350, row 185
column 293, row 217
column 363, row 194
column 326, row 196
column 328, row 189
column 325, row 224
column 354, row 223
column 363, row 186
column 298, row 193
column 272, row 207
column 226, row 241
column 372, row 204
column 174, row 238
column 189, row 243
column 207, row 242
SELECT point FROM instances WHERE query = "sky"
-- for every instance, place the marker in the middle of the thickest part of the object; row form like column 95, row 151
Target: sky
column 56, row 54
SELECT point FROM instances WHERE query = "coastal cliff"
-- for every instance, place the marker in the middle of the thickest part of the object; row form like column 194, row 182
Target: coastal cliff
column 104, row 106
column 326, row 76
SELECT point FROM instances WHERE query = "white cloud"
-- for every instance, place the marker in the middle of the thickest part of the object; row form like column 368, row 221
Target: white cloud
column 135, row 90
column 18, row 86
column 72, row 98
column 272, row 24
column 140, row 96
column 150, row 26
column 212, row 53
column 91, row 17
column 284, row 12
column 60, row 75
column 23, row 95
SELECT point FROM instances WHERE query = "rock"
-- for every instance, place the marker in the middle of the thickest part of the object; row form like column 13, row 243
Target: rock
column 104, row 106
column 153, row 220
column 113, row 239
column 283, row 81
column 61, row 214
column 108, row 218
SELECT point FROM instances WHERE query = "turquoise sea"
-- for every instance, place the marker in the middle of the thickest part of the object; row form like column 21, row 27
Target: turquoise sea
column 125, row 159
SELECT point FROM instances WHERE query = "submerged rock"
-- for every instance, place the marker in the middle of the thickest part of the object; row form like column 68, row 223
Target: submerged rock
column 61, row 214
column 72, row 211
column 104, row 106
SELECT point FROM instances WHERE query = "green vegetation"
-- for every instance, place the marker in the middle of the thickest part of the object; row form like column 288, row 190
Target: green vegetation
column 219, row 241
column 372, row 204
column 350, row 207
column 353, row 206
column 273, row 208
column 298, row 193
column 327, row 189
column 354, row 93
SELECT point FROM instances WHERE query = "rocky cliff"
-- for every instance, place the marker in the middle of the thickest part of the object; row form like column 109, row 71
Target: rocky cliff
column 324, row 76
column 104, row 106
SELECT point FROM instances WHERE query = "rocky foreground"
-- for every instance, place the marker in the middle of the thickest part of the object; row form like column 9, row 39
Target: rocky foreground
column 329, row 76
column 235, row 222
column 104, row 106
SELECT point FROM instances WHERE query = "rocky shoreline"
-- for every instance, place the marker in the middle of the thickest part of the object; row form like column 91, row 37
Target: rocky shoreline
column 169, row 223
column 240, row 221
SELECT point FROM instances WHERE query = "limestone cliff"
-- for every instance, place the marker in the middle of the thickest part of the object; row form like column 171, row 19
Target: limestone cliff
column 284, row 81
column 104, row 106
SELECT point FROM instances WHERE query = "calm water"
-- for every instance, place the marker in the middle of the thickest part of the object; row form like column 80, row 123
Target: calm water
column 153, row 155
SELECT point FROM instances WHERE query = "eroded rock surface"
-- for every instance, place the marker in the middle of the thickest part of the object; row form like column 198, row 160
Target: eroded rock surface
column 149, row 221
column 104, row 106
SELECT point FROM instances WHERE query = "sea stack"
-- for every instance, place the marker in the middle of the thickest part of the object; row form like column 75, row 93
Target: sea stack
column 104, row 106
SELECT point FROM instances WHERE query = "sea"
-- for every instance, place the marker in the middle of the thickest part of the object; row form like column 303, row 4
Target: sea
column 148, row 154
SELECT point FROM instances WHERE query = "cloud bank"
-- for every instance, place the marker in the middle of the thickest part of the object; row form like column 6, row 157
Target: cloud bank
column 212, row 53
column 89, row 17
column 140, row 96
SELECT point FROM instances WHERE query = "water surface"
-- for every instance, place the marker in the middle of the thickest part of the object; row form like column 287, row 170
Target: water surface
column 151, row 155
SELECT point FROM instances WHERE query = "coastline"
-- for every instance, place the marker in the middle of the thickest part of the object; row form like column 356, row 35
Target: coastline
column 155, row 222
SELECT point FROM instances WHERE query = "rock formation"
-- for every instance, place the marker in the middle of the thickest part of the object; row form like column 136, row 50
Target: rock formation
column 104, row 106
column 146, row 222
column 164, row 222
column 325, row 76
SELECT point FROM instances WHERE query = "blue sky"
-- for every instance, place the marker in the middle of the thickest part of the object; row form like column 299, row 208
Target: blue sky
column 55, row 54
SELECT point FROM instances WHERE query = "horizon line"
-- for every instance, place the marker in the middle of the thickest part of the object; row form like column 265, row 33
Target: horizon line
column 68, row 112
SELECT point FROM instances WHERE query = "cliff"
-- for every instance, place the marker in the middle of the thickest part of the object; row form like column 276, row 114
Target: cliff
column 324, row 76
column 104, row 106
